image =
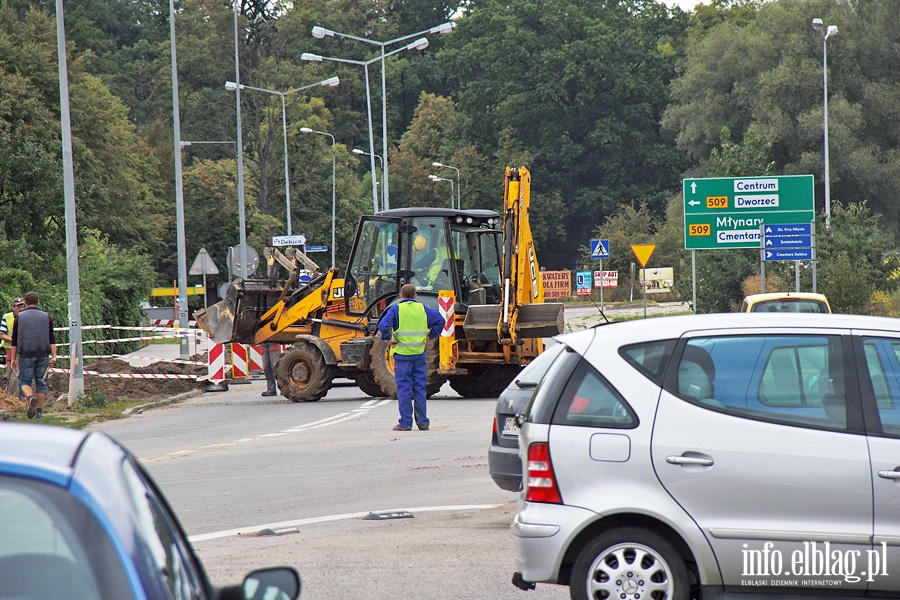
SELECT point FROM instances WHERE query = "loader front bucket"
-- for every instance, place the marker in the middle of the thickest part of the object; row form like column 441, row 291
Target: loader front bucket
column 218, row 320
column 533, row 321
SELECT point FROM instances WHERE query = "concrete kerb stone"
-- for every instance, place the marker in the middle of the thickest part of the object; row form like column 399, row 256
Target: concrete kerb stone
column 140, row 408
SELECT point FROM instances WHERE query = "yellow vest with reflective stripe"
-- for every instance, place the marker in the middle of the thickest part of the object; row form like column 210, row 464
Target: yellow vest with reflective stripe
column 9, row 318
column 412, row 329
column 440, row 255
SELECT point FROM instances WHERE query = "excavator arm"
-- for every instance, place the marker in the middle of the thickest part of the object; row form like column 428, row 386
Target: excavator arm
column 522, row 312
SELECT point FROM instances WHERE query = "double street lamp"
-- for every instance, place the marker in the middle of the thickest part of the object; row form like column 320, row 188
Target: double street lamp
column 458, row 192
column 321, row 32
column 330, row 82
column 827, row 32
column 380, row 162
column 333, row 188
column 419, row 44
column 436, row 178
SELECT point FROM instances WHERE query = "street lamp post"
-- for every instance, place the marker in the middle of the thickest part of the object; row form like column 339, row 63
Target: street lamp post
column 827, row 32
column 443, row 28
column 330, row 82
column 333, row 188
column 242, row 220
column 419, row 44
column 458, row 187
column 436, row 178
column 381, row 162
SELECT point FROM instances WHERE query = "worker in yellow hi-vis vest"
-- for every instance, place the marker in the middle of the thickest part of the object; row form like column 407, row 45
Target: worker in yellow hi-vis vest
column 6, row 328
column 410, row 324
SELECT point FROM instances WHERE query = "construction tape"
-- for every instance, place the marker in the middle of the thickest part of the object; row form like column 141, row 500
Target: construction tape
column 128, row 375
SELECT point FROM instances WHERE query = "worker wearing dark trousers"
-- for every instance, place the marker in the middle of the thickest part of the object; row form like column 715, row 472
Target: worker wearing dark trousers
column 409, row 324
column 269, row 370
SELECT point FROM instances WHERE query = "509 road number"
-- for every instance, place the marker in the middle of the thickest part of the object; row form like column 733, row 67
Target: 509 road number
column 698, row 229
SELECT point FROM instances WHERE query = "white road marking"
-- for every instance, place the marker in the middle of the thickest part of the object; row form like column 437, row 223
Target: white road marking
column 255, row 529
column 364, row 408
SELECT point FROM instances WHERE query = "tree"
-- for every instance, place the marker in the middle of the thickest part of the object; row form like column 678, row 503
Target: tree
column 851, row 256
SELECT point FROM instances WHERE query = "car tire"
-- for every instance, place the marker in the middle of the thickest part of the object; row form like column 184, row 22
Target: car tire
column 629, row 562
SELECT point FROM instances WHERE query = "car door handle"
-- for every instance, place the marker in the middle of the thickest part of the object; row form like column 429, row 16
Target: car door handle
column 889, row 474
column 693, row 460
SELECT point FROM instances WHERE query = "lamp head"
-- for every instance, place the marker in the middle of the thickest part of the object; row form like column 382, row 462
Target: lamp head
column 419, row 44
column 433, row 177
column 306, row 130
column 443, row 28
column 357, row 151
column 817, row 24
column 310, row 56
column 332, row 81
column 231, row 86
column 320, row 32
column 436, row 164
column 832, row 30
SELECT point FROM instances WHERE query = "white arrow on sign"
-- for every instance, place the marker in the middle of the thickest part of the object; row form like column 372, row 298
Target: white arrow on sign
column 693, row 187
column 693, row 202
column 768, row 255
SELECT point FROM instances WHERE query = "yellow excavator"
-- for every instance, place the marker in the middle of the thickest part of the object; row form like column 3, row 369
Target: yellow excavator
column 478, row 267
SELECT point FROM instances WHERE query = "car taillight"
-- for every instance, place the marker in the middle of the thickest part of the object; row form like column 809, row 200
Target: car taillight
column 541, row 481
column 494, row 431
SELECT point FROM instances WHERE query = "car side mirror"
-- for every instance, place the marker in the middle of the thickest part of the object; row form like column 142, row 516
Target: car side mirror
column 277, row 583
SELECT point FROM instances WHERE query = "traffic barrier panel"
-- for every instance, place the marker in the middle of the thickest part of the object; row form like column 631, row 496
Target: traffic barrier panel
column 255, row 358
column 216, row 369
column 238, row 361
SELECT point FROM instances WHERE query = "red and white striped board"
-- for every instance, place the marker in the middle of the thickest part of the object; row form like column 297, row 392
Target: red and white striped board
column 255, row 358
column 445, row 306
column 238, row 361
column 216, row 362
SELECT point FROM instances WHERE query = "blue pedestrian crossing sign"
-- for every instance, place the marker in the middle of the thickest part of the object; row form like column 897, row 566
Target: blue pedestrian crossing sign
column 599, row 248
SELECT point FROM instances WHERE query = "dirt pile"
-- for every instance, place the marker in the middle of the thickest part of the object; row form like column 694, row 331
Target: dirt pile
column 120, row 389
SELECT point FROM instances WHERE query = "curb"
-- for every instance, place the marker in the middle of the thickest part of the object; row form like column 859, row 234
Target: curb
column 140, row 408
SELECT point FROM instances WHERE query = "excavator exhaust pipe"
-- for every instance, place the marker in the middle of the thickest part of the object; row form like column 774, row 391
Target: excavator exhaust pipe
column 533, row 321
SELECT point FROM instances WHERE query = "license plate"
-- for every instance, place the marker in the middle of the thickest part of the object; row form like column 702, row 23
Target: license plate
column 510, row 426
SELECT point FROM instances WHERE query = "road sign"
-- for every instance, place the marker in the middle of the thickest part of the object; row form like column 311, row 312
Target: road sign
column 583, row 280
column 203, row 264
column 791, row 241
column 289, row 240
column 643, row 252
column 727, row 212
column 599, row 248
column 316, row 249
column 788, row 253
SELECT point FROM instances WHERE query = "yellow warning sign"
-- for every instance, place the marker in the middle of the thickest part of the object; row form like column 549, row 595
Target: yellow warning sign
column 643, row 252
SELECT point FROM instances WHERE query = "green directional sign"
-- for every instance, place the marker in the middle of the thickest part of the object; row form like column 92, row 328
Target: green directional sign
column 726, row 212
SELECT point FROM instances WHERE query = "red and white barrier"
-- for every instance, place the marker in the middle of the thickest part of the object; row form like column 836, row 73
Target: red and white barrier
column 255, row 358
column 239, row 361
column 216, row 369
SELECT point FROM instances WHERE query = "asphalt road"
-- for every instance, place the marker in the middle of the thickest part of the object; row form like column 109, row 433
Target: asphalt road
column 234, row 465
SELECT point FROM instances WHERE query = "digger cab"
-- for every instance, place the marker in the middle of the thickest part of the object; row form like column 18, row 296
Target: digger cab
column 432, row 248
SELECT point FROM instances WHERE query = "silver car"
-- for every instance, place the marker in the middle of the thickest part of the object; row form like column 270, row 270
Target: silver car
column 716, row 456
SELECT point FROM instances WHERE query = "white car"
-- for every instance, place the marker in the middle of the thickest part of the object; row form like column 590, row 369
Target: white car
column 716, row 456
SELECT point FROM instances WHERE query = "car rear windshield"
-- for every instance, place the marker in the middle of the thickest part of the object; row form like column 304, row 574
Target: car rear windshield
column 791, row 305
column 534, row 372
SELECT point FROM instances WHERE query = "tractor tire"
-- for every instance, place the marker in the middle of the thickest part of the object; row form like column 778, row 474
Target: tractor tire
column 484, row 381
column 302, row 374
column 366, row 382
column 383, row 368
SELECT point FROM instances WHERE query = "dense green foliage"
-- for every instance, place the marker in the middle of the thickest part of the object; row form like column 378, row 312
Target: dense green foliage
column 609, row 103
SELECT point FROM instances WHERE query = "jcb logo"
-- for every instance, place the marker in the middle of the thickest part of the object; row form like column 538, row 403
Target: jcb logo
column 337, row 292
column 533, row 264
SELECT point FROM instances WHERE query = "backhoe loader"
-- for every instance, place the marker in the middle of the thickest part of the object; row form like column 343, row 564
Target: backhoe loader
column 478, row 266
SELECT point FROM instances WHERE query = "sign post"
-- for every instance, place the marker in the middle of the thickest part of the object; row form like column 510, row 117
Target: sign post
column 643, row 252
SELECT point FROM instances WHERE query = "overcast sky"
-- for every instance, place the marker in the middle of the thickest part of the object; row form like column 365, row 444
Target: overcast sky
column 687, row 5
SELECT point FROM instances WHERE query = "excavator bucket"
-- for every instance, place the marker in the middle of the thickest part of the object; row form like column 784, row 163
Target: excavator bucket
column 533, row 321
column 236, row 318
column 218, row 320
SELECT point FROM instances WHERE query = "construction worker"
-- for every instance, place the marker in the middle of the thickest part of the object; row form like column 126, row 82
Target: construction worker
column 428, row 262
column 408, row 324
column 6, row 328
column 33, row 352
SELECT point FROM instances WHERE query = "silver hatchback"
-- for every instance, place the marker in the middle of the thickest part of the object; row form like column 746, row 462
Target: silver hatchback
column 716, row 456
